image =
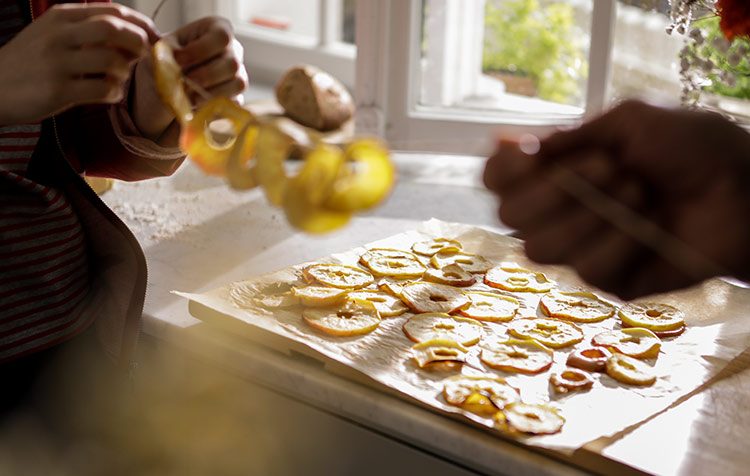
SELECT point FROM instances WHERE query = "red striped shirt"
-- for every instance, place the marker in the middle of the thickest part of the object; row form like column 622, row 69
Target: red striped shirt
column 44, row 269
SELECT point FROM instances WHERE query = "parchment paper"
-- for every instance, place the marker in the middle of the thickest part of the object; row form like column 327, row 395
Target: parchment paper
column 718, row 329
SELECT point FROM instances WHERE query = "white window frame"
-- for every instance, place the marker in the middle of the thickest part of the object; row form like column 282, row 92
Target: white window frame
column 269, row 53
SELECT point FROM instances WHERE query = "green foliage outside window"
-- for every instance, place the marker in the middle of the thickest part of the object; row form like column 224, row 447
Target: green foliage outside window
column 525, row 38
column 727, row 66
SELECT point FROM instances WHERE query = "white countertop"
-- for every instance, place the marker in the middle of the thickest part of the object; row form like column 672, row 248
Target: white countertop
column 198, row 235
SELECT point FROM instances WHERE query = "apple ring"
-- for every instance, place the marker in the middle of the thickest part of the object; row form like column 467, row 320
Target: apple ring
column 429, row 248
column 377, row 253
column 319, row 296
column 391, row 287
column 431, row 297
column 490, row 307
column 663, row 334
column 387, row 305
column 337, row 275
column 439, row 354
column 634, row 342
column 576, row 306
column 514, row 355
column 275, row 295
column 470, row 262
column 511, row 277
column 393, row 263
column 169, row 81
column 433, row 325
column 355, row 317
column 550, row 332
column 452, row 275
column 481, row 395
column 591, row 359
column 652, row 316
column 629, row 370
column 533, row 419
column 571, row 380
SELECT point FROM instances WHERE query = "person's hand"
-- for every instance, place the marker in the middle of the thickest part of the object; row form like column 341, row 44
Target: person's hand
column 209, row 55
column 688, row 172
column 73, row 54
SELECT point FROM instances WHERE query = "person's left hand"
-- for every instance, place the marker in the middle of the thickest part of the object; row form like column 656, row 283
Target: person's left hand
column 210, row 55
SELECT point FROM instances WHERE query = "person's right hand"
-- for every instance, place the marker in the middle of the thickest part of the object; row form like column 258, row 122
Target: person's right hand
column 73, row 54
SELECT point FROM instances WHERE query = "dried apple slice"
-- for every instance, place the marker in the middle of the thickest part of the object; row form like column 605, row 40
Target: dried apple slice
column 629, row 370
column 429, row 248
column 550, row 332
column 480, row 395
column 387, row 305
column 435, row 325
column 197, row 140
column 337, row 275
column 393, row 263
column 514, row 355
column 169, row 82
column 634, row 342
column 452, row 275
column 470, row 262
column 391, row 287
column 276, row 295
column 592, row 359
column 355, row 317
column 365, row 178
column 490, row 307
column 571, row 380
column 431, row 297
column 377, row 253
column 439, row 354
column 307, row 191
column 319, row 296
column 576, row 306
column 511, row 277
column 533, row 419
column 652, row 316
column 272, row 149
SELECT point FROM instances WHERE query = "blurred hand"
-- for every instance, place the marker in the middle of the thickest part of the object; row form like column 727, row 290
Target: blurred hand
column 72, row 54
column 686, row 171
column 209, row 55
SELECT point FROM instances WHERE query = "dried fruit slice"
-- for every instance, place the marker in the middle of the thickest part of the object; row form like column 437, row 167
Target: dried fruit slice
column 652, row 316
column 481, row 395
column 515, row 355
column 364, row 180
column 511, row 277
column 337, row 275
column 629, row 370
column 571, row 380
column 550, row 332
column 430, row 326
column 387, row 305
column 275, row 295
column 272, row 149
column 453, row 275
column 355, row 317
column 169, row 82
column 576, row 306
column 391, row 287
column 592, row 359
column 394, row 263
column 198, row 143
column 533, row 419
column 439, row 353
column 429, row 248
column 664, row 334
column 470, row 262
column 431, row 297
column 634, row 342
column 490, row 307
column 319, row 296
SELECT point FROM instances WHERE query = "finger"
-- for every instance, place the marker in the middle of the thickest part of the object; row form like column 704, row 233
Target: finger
column 79, row 12
column 211, row 44
column 94, row 91
column 217, row 71
column 655, row 276
column 102, row 61
column 608, row 132
column 108, row 31
column 607, row 261
column 231, row 89
column 507, row 166
column 562, row 237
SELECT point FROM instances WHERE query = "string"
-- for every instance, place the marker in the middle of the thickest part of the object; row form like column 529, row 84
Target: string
column 158, row 9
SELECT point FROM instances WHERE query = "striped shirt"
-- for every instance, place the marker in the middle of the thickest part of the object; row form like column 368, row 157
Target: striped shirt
column 44, row 269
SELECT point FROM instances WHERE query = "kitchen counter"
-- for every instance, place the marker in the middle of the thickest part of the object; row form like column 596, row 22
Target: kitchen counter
column 198, row 235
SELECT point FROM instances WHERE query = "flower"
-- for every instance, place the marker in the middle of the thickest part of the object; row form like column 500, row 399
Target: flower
column 735, row 18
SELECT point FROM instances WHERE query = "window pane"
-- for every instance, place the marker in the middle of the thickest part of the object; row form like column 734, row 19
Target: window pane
column 293, row 16
column 645, row 59
column 347, row 22
column 521, row 56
